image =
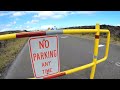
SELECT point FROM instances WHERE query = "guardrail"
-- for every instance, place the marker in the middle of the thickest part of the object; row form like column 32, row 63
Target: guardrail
column 95, row 61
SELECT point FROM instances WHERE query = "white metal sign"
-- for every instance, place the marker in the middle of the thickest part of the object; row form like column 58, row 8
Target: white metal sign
column 44, row 53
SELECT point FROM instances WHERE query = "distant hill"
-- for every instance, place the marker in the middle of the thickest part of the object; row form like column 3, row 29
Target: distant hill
column 10, row 31
column 115, row 30
column 4, row 42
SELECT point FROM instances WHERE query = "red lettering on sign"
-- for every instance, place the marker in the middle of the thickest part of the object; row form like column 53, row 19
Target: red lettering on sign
column 55, row 53
column 42, row 55
column 38, row 57
column 44, row 44
column 45, row 55
column 41, row 44
column 51, row 53
column 34, row 56
column 47, row 71
column 48, row 54
column 44, row 64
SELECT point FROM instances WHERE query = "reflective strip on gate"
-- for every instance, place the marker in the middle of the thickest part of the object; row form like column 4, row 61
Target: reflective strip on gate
column 95, row 61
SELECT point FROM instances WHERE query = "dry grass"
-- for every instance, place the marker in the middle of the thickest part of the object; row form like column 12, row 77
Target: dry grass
column 8, row 54
column 113, row 40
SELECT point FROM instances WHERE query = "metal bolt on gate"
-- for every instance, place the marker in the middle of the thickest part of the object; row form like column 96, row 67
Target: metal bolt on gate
column 91, row 65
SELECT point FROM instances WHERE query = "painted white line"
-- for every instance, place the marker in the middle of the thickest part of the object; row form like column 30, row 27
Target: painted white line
column 117, row 64
column 101, row 45
column 65, row 37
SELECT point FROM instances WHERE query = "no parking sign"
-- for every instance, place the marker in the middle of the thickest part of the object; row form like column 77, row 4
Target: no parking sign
column 44, row 54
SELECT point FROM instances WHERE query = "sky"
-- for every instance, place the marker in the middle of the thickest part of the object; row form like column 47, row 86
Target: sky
column 42, row 20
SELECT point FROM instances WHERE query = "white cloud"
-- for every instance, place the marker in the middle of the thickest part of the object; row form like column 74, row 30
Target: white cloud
column 13, row 13
column 57, row 16
column 4, row 13
column 32, row 22
column 118, row 25
column 16, row 19
column 45, row 27
column 26, row 27
column 84, row 12
column 14, row 22
column 20, row 13
column 45, row 14
column 10, row 24
column 21, row 27
column 51, row 14
column 16, row 27
column 5, row 27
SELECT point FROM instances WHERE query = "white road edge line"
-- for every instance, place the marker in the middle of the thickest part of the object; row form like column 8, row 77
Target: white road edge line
column 64, row 37
column 101, row 45
column 117, row 64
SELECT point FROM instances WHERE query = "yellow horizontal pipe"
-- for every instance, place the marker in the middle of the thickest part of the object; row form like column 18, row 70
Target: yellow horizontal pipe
column 101, row 60
column 78, row 68
column 7, row 36
column 32, row 78
column 77, row 31
column 104, row 31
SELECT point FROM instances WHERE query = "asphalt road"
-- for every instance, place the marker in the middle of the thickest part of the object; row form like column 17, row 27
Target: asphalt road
column 73, row 52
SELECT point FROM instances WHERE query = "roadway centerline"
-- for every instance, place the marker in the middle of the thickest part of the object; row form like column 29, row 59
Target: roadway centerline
column 101, row 45
column 117, row 64
column 64, row 37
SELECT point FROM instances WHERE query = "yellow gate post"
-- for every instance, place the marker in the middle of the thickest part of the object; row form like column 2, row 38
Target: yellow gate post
column 95, row 54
